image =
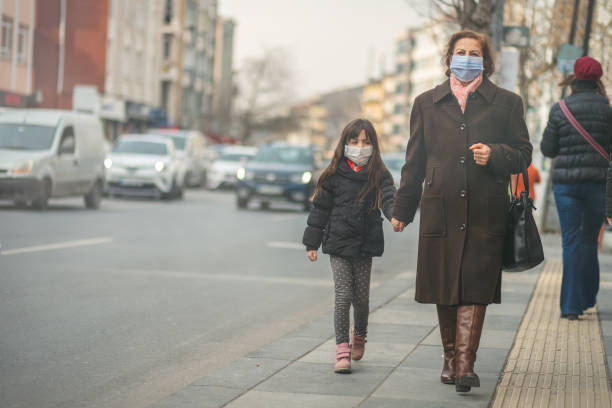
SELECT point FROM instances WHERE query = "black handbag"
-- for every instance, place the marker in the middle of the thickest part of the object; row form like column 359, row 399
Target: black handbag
column 522, row 244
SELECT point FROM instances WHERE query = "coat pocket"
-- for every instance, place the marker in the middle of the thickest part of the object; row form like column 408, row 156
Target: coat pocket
column 433, row 217
column 497, row 214
column 430, row 175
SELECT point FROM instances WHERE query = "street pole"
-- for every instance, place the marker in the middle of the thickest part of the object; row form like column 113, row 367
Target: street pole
column 589, row 23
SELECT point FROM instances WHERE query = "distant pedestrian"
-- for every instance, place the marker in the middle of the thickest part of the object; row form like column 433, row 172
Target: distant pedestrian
column 534, row 178
column 579, row 180
column 346, row 219
column 467, row 136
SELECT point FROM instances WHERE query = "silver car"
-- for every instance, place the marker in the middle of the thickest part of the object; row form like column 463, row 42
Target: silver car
column 144, row 165
column 229, row 159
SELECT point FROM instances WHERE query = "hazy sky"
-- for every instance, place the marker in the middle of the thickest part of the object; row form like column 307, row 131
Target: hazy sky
column 331, row 41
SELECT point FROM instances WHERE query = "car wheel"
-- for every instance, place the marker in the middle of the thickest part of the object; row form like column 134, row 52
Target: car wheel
column 94, row 197
column 179, row 192
column 42, row 201
column 265, row 205
column 242, row 202
column 21, row 203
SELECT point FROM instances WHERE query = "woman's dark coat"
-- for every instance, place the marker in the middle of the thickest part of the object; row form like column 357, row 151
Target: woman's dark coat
column 576, row 160
column 463, row 205
column 345, row 226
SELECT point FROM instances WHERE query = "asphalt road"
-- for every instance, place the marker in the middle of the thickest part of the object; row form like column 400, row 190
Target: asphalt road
column 123, row 306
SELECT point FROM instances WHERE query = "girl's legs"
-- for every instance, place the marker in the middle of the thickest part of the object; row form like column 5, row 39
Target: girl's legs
column 362, row 270
column 342, row 270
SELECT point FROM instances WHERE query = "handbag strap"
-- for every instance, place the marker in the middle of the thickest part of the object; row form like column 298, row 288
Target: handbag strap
column 582, row 131
column 525, row 177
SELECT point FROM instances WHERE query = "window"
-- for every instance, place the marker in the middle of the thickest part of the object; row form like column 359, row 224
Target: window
column 400, row 68
column 168, row 14
column 396, row 129
column 6, row 37
column 398, row 88
column 22, row 43
column 397, row 108
column 67, row 142
column 167, row 46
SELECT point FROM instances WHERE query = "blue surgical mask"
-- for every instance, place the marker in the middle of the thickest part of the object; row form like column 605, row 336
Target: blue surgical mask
column 465, row 67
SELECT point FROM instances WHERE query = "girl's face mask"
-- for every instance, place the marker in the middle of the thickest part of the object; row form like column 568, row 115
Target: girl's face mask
column 358, row 155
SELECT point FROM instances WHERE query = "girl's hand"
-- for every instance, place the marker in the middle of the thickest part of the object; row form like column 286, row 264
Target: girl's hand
column 610, row 221
column 398, row 226
column 482, row 153
column 312, row 255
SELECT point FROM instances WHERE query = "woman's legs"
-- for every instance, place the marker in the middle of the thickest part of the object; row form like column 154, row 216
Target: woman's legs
column 593, row 218
column 470, row 319
column 447, row 319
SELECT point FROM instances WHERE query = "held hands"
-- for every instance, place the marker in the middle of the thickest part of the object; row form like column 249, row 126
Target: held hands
column 482, row 153
column 312, row 255
column 398, row 226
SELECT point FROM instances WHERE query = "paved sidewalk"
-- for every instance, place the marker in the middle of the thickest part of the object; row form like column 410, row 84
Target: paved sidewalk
column 403, row 357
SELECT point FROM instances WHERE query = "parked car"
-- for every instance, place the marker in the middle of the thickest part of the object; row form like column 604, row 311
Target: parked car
column 395, row 162
column 50, row 153
column 145, row 166
column 191, row 149
column 279, row 172
column 230, row 158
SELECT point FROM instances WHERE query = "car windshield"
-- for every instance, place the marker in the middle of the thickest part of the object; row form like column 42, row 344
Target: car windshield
column 395, row 163
column 140, row 147
column 234, row 157
column 26, row 137
column 178, row 140
column 285, row 154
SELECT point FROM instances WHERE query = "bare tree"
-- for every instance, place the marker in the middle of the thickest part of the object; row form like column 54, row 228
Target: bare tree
column 469, row 14
column 266, row 84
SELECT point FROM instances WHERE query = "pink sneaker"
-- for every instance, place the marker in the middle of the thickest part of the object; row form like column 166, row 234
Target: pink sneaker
column 357, row 346
column 343, row 359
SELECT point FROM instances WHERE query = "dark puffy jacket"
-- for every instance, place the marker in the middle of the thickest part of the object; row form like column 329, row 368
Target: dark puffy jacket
column 577, row 161
column 609, row 193
column 344, row 226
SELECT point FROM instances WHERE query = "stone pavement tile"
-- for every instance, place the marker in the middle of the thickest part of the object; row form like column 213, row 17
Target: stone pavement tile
column 286, row 348
column 201, row 397
column 488, row 360
column 403, row 316
column 606, row 327
column 322, row 327
column 310, row 378
column 377, row 354
column 375, row 402
column 261, row 399
column 506, row 309
column 502, row 322
column 516, row 292
column 424, row 384
column 490, row 338
column 400, row 303
column 397, row 333
column 243, row 373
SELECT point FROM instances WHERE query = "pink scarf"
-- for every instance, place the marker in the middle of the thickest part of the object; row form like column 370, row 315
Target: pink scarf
column 461, row 91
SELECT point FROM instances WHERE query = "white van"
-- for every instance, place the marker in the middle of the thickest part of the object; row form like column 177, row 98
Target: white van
column 51, row 153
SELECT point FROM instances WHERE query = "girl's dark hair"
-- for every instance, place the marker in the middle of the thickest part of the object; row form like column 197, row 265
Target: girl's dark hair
column 487, row 54
column 569, row 81
column 376, row 168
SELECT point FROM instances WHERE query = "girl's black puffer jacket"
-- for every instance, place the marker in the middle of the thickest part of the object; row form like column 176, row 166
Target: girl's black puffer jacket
column 346, row 227
column 576, row 160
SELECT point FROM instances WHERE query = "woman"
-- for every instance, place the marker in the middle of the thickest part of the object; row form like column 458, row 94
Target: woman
column 579, row 177
column 466, row 137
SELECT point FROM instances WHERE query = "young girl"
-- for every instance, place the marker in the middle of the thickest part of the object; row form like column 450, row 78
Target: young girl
column 346, row 219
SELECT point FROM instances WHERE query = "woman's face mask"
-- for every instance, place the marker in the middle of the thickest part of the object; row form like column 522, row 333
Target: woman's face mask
column 466, row 67
column 358, row 155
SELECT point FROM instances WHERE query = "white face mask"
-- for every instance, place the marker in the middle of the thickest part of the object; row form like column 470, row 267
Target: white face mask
column 358, row 155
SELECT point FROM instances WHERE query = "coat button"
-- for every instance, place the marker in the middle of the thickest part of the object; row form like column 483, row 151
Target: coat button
column 463, row 193
column 462, row 227
column 462, row 126
column 462, row 160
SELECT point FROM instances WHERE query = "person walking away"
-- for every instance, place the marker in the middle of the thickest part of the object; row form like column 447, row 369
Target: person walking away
column 579, row 180
column 467, row 136
column 346, row 220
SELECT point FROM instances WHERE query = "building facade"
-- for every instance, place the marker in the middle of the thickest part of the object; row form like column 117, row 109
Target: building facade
column 188, row 46
column 17, row 21
column 223, row 76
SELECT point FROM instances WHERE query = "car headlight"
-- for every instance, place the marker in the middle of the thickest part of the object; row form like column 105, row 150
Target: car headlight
column 306, row 177
column 108, row 163
column 160, row 166
column 23, row 168
column 241, row 173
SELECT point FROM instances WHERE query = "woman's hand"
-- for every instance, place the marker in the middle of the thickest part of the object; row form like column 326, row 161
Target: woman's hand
column 482, row 153
column 312, row 255
column 610, row 221
column 398, row 226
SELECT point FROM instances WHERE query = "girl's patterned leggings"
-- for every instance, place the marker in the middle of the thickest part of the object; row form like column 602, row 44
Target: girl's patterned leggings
column 352, row 286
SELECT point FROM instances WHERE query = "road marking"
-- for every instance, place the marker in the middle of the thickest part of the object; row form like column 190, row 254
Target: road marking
column 281, row 218
column 59, row 245
column 285, row 245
